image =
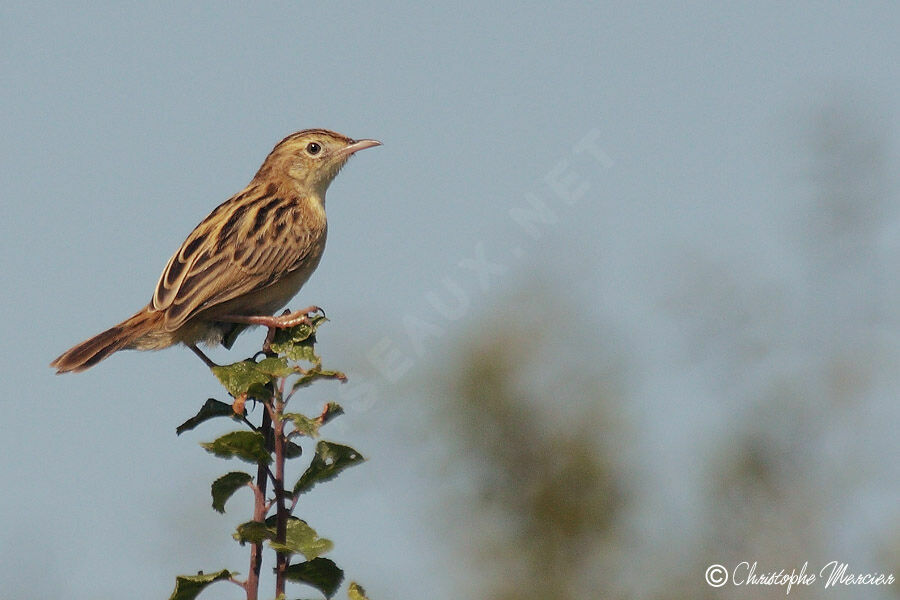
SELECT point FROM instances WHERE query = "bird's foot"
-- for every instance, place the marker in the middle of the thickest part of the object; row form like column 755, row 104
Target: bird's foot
column 283, row 321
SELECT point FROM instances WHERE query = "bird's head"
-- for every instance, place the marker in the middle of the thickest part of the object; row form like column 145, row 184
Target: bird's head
column 311, row 158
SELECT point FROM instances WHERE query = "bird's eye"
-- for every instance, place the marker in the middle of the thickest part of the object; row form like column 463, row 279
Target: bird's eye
column 313, row 148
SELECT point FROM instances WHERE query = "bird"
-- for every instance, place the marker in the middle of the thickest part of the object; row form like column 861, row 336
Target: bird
column 243, row 262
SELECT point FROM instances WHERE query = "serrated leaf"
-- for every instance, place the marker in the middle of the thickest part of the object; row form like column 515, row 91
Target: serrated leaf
column 225, row 486
column 329, row 461
column 315, row 373
column 310, row 427
column 276, row 366
column 246, row 445
column 321, row 573
column 211, row 409
column 253, row 532
column 297, row 343
column 302, row 539
column 356, row 592
column 304, row 351
column 187, row 587
column 303, row 424
column 238, row 377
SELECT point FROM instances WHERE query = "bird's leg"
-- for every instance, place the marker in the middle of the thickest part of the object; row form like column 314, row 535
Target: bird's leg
column 285, row 321
column 267, row 343
column 202, row 356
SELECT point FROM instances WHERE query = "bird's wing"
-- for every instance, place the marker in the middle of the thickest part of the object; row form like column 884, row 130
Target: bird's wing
column 247, row 243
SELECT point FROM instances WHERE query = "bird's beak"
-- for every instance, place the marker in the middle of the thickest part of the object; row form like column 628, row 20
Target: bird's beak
column 358, row 145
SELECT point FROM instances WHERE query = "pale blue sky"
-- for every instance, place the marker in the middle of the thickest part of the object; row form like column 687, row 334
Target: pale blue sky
column 124, row 125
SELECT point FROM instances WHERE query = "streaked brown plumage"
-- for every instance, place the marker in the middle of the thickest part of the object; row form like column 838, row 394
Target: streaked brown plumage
column 244, row 261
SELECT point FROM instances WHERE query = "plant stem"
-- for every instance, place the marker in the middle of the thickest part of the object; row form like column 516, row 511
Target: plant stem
column 282, row 513
column 259, row 514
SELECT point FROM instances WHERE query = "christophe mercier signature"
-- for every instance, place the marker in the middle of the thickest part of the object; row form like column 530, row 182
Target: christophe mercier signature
column 833, row 574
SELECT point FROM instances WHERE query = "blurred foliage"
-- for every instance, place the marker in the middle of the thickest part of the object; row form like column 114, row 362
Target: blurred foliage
column 796, row 361
column 534, row 404
column 547, row 495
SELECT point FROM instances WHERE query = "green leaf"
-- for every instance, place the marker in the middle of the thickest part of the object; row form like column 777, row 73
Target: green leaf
column 303, row 424
column 302, row 539
column 276, row 366
column 211, row 408
column 356, row 592
column 188, row 586
column 305, row 353
column 225, row 486
column 253, row 532
column 238, row 377
column 330, row 459
column 260, row 391
column 310, row 427
column 297, row 342
column 315, row 373
column 292, row 450
column 246, row 445
column 320, row 573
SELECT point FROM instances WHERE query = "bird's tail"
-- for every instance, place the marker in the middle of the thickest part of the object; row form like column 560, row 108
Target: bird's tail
column 89, row 352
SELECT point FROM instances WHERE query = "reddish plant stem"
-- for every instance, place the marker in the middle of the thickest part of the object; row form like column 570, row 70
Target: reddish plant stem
column 259, row 513
column 278, row 485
